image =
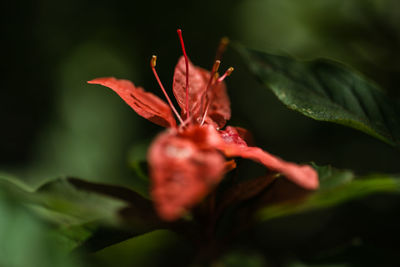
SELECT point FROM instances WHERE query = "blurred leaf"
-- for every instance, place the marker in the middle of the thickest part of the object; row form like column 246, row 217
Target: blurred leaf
column 158, row 248
column 327, row 91
column 330, row 177
column 91, row 215
column 241, row 258
column 26, row 240
column 138, row 161
column 67, row 196
column 135, row 218
column 13, row 183
column 337, row 187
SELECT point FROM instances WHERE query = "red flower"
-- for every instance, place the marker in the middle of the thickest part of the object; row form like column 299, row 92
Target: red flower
column 188, row 160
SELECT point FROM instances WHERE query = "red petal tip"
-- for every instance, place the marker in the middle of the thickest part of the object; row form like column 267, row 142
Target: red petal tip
column 99, row 80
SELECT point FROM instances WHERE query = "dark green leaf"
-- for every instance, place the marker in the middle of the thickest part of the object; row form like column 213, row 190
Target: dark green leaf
column 328, row 91
column 68, row 197
column 336, row 188
column 138, row 162
column 158, row 248
column 88, row 214
column 330, row 177
column 241, row 258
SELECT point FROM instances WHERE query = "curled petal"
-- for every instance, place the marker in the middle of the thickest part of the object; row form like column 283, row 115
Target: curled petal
column 145, row 104
column 303, row 175
column 182, row 173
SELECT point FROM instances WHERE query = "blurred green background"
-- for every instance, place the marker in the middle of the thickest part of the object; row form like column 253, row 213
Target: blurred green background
column 54, row 124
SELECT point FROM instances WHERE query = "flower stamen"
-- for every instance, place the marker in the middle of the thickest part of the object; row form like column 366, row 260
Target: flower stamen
column 221, row 48
column 179, row 31
column 153, row 68
column 214, row 70
column 227, row 73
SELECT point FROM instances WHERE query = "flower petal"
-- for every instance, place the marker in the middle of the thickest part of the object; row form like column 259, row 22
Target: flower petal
column 220, row 106
column 145, row 104
column 197, row 85
column 234, row 135
column 219, row 109
column 234, row 146
column 183, row 171
column 244, row 135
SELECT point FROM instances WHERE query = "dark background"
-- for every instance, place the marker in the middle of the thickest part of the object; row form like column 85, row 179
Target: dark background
column 53, row 123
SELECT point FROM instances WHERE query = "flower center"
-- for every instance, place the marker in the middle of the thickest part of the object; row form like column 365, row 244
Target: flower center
column 205, row 98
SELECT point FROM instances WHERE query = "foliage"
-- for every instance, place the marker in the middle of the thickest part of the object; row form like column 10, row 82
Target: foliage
column 328, row 91
column 87, row 217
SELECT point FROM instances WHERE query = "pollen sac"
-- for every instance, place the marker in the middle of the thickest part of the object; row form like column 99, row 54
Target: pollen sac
column 184, row 168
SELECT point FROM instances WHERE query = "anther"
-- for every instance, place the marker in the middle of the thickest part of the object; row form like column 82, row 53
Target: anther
column 219, row 80
column 222, row 47
column 213, row 77
column 153, row 61
column 216, row 66
column 226, row 74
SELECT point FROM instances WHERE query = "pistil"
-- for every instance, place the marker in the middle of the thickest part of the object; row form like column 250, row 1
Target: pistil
column 179, row 31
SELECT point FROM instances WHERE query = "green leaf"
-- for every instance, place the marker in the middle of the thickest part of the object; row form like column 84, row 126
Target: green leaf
column 328, row 91
column 330, row 177
column 158, row 248
column 68, row 197
column 26, row 240
column 88, row 214
column 237, row 258
column 336, row 187
column 138, row 162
